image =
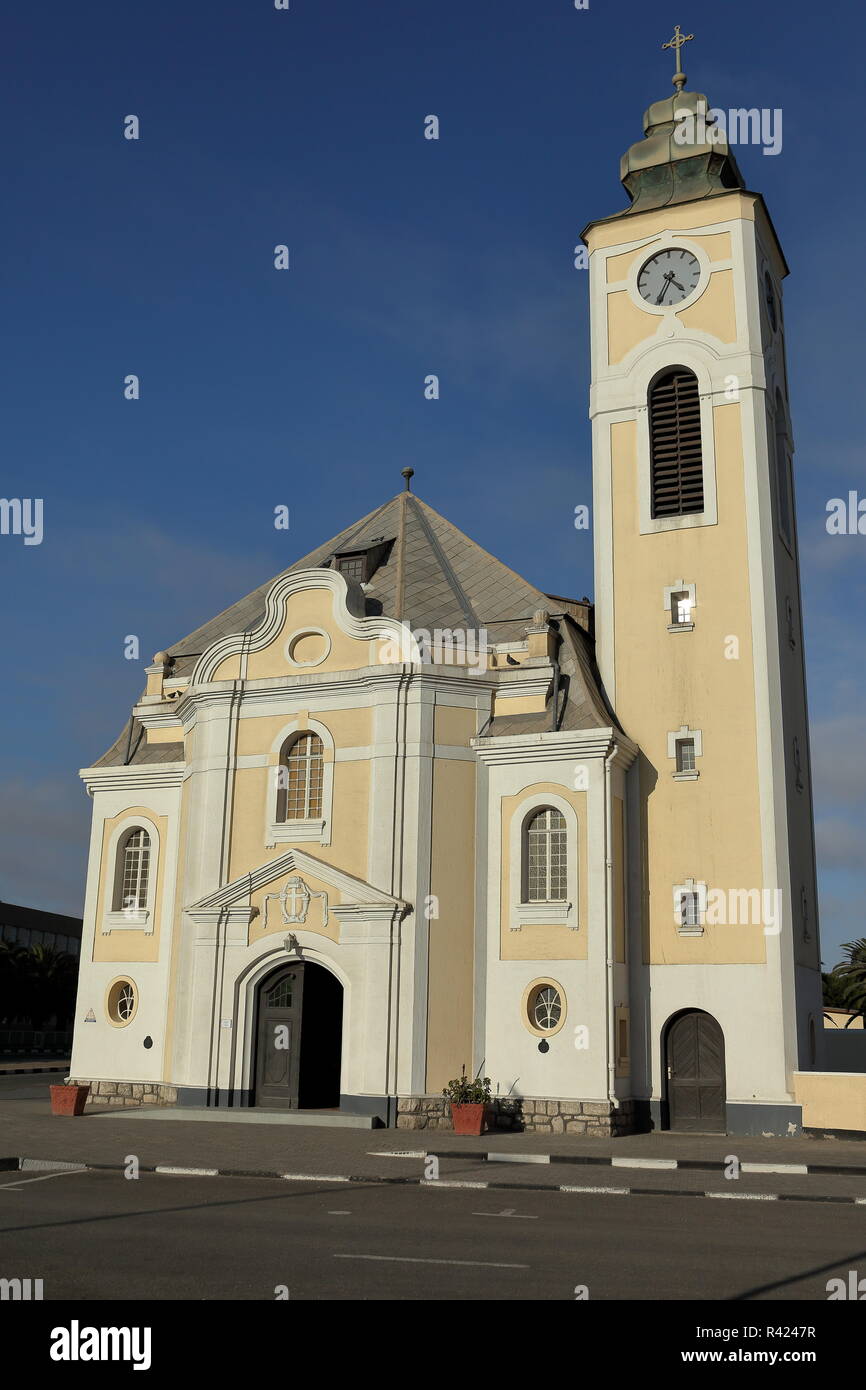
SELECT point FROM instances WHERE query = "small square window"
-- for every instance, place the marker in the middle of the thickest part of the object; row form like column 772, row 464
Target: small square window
column 353, row 566
column 690, row 909
column 681, row 608
column 685, row 755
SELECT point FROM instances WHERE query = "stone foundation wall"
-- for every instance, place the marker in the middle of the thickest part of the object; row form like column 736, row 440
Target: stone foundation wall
column 527, row 1114
column 119, row 1094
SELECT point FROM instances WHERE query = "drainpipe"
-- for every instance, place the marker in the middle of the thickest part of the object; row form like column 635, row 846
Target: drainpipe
column 608, row 911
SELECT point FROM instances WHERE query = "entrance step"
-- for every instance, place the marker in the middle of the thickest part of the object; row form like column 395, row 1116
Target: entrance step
column 331, row 1119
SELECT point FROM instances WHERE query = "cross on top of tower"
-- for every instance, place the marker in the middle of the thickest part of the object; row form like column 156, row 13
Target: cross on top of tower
column 676, row 43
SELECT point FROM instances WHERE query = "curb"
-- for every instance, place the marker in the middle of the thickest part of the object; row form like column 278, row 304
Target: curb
column 166, row 1169
column 656, row 1164
column 30, row 1071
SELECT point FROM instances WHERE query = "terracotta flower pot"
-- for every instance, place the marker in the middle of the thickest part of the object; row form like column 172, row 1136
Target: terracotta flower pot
column 468, row 1119
column 68, row 1100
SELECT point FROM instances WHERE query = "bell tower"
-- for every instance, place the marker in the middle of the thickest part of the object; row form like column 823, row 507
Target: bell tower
column 698, row 619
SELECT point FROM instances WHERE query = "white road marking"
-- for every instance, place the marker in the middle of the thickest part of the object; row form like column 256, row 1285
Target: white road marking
column 799, row 1168
column 396, row 1153
column 339, row 1213
column 188, row 1172
column 745, row 1196
column 643, row 1162
column 414, row 1260
column 16, row 1186
column 515, row 1215
column 598, row 1191
column 313, row 1177
column 443, row 1182
column 518, row 1158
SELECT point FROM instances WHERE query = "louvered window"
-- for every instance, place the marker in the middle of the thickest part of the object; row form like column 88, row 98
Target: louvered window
column 675, row 444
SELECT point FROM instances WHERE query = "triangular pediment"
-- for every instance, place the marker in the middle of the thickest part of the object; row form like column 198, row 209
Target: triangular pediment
column 354, row 892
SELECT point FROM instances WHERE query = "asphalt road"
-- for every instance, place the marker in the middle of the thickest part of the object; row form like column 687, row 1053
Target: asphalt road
column 97, row 1235
column 28, row 1087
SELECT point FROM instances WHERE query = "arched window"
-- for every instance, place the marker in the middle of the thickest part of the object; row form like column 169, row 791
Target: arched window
column 677, row 470
column 545, row 857
column 299, row 794
column 133, row 871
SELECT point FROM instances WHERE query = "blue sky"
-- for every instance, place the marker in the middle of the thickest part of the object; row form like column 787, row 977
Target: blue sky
column 408, row 256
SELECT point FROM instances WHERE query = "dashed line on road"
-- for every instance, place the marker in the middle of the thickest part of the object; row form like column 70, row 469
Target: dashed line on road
column 314, row 1177
column 417, row 1260
column 799, row 1169
column 187, row 1172
column 745, row 1196
column 446, row 1182
column 620, row 1162
column 598, row 1191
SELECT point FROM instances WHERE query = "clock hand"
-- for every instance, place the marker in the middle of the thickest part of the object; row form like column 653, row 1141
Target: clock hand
column 667, row 286
column 678, row 285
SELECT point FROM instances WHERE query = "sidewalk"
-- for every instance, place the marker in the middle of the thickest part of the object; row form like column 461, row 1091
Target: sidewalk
column 9, row 1067
column 29, row 1130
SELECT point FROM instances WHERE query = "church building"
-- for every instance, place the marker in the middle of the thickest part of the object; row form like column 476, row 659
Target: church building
column 400, row 812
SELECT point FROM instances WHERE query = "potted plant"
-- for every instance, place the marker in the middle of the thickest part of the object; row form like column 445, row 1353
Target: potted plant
column 469, row 1100
column 68, row 1099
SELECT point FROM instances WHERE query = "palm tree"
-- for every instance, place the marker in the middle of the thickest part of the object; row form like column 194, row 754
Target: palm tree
column 51, row 979
column 13, row 983
column 851, row 974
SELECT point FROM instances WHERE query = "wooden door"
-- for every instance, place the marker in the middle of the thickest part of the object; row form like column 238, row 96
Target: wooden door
column 278, row 1039
column 696, row 1074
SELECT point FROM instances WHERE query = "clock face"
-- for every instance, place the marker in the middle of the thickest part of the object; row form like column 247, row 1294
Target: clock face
column 668, row 277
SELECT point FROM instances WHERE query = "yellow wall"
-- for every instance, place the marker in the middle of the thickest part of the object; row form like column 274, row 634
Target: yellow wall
column 454, row 725
column 709, row 828
column 717, row 245
column 451, row 934
column 713, row 312
column 831, row 1100
column 349, row 728
column 348, row 847
column 634, row 226
column 128, row 945
column 313, row 607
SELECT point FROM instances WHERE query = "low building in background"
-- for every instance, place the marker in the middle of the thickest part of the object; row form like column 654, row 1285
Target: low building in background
column 29, row 926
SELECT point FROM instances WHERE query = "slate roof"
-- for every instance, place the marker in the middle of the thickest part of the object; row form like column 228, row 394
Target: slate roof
column 449, row 580
column 446, row 580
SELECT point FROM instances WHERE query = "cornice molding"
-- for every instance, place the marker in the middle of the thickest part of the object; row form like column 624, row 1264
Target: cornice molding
column 553, row 747
column 132, row 777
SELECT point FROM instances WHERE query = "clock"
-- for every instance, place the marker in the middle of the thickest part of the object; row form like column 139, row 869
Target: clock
column 668, row 277
column 770, row 297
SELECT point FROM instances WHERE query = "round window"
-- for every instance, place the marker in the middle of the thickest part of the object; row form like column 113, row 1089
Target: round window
column 122, row 1002
column 544, row 1008
column 308, row 647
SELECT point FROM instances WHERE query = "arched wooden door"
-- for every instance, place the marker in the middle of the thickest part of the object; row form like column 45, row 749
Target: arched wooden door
column 695, row 1059
column 299, row 1028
